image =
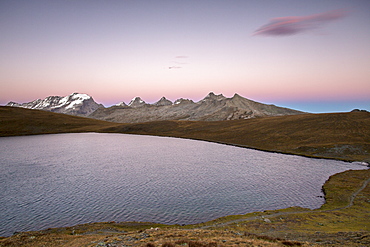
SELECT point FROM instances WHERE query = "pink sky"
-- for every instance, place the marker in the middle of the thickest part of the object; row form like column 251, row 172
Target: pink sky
column 115, row 50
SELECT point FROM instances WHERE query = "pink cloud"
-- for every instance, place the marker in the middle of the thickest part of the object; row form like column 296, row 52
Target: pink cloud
column 291, row 25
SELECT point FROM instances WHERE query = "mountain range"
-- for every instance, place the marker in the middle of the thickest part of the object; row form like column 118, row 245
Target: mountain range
column 212, row 108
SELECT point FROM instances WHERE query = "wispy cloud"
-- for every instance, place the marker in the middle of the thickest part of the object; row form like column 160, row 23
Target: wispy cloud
column 179, row 60
column 291, row 25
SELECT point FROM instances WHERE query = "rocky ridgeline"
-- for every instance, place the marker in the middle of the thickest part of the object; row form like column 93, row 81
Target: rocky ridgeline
column 212, row 108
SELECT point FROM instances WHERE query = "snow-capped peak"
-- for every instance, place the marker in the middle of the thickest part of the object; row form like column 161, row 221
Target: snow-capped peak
column 80, row 104
column 80, row 96
column 73, row 100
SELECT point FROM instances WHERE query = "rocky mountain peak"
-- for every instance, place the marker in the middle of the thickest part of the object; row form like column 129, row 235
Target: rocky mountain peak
column 163, row 101
column 237, row 96
column 121, row 104
column 212, row 96
column 182, row 101
column 137, row 102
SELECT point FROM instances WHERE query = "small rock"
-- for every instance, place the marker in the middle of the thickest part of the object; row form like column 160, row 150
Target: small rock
column 267, row 220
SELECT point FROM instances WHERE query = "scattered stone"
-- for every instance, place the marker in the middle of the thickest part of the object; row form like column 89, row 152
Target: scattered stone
column 236, row 233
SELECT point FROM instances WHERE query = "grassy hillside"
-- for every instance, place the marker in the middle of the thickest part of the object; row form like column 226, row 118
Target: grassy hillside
column 16, row 121
column 336, row 135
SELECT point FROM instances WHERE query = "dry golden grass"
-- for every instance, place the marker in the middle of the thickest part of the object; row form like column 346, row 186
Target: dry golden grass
column 19, row 121
column 336, row 135
column 148, row 237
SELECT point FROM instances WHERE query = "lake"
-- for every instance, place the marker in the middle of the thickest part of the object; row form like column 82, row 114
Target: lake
column 68, row 179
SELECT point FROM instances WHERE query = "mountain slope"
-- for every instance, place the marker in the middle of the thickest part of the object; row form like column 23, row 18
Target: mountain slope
column 211, row 108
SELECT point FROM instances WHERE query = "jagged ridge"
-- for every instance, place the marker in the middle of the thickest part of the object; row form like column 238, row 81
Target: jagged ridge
column 212, row 108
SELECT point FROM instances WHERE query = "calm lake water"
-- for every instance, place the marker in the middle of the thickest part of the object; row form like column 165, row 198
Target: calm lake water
column 68, row 179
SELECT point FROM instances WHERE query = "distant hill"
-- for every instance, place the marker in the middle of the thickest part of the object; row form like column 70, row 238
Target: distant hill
column 331, row 135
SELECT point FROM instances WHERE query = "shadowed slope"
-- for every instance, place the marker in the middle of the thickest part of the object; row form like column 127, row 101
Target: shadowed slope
column 16, row 121
column 335, row 135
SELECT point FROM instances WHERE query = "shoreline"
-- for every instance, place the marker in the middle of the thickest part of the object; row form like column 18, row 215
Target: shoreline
column 263, row 150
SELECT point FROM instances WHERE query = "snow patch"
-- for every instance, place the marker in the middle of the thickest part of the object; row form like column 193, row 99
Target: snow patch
column 63, row 101
column 80, row 96
column 74, row 103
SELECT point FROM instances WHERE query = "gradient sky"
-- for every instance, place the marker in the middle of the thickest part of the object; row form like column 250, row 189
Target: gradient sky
column 307, row 55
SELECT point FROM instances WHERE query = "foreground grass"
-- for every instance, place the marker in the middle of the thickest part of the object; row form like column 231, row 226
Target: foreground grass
column 336, row 223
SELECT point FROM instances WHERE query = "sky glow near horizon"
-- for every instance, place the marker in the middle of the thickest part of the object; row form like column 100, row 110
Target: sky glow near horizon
column 307, row 55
